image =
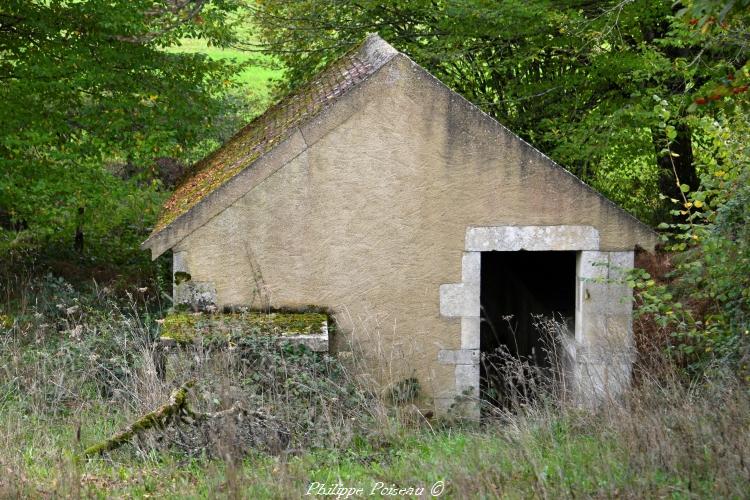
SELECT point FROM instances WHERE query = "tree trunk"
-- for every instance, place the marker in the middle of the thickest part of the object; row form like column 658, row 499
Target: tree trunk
column 678, row 167
column 175, row 409
column 78, row 242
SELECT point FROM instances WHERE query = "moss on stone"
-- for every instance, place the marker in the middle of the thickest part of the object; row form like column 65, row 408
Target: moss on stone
column 179, row 327
column 183, row 327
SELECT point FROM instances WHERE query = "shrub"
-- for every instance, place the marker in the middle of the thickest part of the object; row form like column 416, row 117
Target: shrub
column 705, row 301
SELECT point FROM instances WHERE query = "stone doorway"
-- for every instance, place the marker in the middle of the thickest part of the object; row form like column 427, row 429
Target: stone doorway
column 598, row 356
column 527, row 302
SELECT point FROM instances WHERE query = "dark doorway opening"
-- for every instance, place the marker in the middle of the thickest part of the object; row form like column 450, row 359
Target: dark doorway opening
column 518, row 290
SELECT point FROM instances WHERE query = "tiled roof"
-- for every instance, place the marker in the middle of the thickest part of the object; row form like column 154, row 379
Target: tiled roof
column 272, row 127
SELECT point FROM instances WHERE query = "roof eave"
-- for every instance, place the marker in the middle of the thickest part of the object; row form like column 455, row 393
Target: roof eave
column 226, row 194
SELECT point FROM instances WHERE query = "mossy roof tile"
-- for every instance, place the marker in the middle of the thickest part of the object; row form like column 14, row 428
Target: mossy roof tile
column 271, row 128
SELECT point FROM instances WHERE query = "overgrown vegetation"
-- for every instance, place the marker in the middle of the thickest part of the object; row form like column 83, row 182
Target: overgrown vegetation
column 701, row 301
column 73, row 373
column 101, row 115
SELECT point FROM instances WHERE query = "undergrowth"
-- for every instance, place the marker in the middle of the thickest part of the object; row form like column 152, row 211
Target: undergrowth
column 75, row 369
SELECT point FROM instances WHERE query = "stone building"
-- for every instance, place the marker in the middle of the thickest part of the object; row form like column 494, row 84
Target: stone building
column 379, row 194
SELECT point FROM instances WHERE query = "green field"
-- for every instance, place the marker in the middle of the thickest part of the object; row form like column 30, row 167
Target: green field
column 544, row 455
column 256, row 77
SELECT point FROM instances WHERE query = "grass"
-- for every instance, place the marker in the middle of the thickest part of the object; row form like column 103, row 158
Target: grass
column 77, row 367
column 544, row 459
column 256, row 77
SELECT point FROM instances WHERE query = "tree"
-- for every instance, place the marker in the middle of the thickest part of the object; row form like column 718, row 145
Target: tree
column 85, row 84
column 603, row 87
column 705, row 306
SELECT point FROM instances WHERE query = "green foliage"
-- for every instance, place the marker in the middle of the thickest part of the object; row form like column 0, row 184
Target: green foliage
column 602, row 87
column 712, row 272
column 87, row 86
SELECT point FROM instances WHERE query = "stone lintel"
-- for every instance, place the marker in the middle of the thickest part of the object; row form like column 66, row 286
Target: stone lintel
column 539, row 238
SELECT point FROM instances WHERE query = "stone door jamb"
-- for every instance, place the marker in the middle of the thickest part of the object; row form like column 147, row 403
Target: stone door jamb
column 462, row 300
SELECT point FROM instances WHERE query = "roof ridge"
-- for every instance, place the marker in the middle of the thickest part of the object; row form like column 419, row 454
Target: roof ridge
column 377, row 49
column 275, row 127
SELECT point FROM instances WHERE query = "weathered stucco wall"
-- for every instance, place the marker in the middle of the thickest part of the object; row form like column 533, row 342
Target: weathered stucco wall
column 370, row 218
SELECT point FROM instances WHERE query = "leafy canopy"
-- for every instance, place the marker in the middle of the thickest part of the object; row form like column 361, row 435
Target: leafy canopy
column 87, row 85
column 603, row 87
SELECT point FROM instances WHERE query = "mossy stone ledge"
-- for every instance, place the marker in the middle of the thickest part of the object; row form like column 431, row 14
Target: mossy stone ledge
column 308, row 328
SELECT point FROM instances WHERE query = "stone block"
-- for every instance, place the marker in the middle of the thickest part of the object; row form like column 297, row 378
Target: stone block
column 608, row 333
column 467, row 380
column 197, row 295
column 609, row 266
column 599, row 382
column 620, row 263
column 471, row 267
column 592, row 265
column 316, row 343
column 462, row 408
column 470, row 332
column 179, row 262
column 458, row 356
column 606, row 299
column 605, row 354
column 459, row 299
column 541, row 238
column 619, row 333
column 590, row 326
